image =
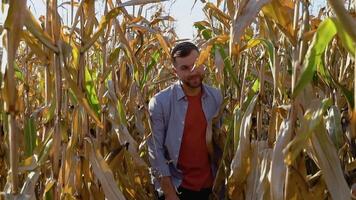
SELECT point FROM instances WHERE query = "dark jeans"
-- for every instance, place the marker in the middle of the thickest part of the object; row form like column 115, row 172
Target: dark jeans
column 186, row 194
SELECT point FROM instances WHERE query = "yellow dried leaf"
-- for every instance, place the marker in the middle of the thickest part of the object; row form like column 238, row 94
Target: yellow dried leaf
column 241, row 163
column 103, row 173
column 278, row 167
column 329, row 163
column 243, row 19
column 163, row 44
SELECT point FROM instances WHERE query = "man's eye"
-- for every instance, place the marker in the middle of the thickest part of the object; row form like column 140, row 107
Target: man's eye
column 184, row 68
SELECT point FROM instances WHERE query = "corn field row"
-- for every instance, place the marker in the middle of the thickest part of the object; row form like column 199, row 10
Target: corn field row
column 73, row 101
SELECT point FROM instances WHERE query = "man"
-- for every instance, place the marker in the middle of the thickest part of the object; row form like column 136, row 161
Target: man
column 181, row 167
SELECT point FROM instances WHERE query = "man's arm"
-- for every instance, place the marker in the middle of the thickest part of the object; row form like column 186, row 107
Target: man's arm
column 168, row 188
column 218, row 138
column 155, row 142
column 218, row 121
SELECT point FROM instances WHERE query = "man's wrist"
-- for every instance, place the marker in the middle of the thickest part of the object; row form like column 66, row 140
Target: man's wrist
column 167, row 186
column 169, row 192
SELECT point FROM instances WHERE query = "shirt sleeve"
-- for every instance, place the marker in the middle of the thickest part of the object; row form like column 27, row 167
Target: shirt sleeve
column 219, row 98
column 155, row 142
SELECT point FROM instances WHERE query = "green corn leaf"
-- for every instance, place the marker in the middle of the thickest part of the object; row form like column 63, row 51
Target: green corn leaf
column 325, row 33
column 30, row 136
column 228, row 65
column 90, row 89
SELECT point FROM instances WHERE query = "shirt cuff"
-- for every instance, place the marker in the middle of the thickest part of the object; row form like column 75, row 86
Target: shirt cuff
column 161, row 171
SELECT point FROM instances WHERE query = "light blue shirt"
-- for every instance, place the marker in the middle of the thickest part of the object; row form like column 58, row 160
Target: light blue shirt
column 167, row 111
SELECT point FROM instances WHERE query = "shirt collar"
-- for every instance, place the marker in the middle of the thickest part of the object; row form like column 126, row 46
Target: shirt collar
column 181, row 94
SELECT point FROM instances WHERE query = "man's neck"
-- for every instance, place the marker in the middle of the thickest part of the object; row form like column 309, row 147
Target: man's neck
column 191, row 91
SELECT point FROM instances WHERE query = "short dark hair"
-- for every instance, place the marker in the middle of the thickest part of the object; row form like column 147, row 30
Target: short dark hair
column 183, row 49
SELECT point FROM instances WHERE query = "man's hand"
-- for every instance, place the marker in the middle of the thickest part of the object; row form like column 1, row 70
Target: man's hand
column 172, row 197
column 168, row 188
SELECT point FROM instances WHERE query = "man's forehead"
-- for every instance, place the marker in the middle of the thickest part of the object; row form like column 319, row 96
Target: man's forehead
column 187, row 60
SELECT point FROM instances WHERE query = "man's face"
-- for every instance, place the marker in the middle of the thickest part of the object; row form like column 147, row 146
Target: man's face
column 184, row 70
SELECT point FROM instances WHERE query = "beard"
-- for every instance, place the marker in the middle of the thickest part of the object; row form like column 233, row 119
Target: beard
column 194, row 81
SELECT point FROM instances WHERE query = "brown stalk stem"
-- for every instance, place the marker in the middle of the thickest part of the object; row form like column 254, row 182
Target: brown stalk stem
column 260, row 104
column 48, row 68
column 27, row 88
column 71, row 11
column 58, row 95
column 13, row 153
column 12, row 94
column 295, row 48
column 55, row 26
column 57, row 134
column 81, row 77
column 276, row 85
column 304, row 28
column 101, row 131
column 296, row 64
column 242, row 96
column 275, row 61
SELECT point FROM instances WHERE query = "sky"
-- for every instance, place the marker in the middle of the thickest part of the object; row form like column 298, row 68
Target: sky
column 185, row 16
column 181, row 10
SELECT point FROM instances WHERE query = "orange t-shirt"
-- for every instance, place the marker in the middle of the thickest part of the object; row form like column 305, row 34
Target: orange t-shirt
column 193, row 155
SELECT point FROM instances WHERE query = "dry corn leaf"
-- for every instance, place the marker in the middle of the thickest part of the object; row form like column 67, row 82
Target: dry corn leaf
column 103, row 172
column 109, row 16
column 28, row 188
column 219, row 66
column 218, row 14
column 206, row 49
column 309, row 123
column 241, row 163
column 299, row 189
column 35, row 46
column 121, row 130
column 81, row 98
column 163, row 43
column 329, row 163
column 13, row 24
column 257, row 184
column 282, row 14
column 35, row 29
column 139, row 2
column 231, row 6
column 278, row 167
column 334, row 127
column 242, row 19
